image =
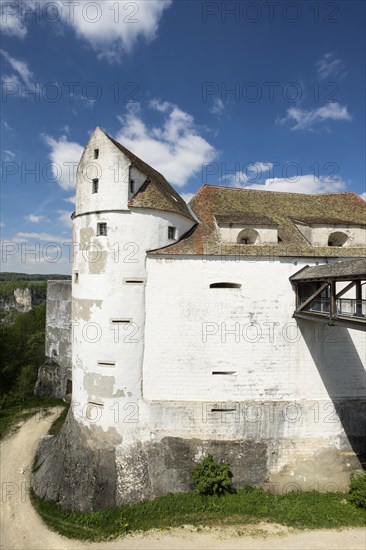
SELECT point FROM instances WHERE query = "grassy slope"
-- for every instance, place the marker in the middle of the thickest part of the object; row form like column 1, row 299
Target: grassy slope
column 248, row 505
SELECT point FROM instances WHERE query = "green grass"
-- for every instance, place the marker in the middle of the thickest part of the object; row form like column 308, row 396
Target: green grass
column 11, row 414
column 249, row 505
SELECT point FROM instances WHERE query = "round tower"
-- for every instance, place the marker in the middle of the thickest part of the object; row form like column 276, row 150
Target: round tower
column 123, row 209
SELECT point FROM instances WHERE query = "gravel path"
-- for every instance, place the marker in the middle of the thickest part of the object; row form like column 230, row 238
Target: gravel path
column 23, row 529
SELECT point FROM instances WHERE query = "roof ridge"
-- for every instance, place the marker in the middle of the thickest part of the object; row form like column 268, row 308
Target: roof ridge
column 277, row 192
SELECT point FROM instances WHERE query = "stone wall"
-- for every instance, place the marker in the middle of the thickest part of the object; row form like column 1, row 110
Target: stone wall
column 54, row 374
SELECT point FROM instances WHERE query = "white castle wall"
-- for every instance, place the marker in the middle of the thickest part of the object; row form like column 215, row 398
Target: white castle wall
column 195, row 330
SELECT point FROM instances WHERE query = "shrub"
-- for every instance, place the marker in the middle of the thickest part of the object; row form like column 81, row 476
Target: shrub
column 212, row 478
column 358, row 488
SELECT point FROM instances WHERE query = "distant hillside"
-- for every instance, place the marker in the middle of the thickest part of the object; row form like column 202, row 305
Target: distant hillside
column 20, row 293
column 8, row 276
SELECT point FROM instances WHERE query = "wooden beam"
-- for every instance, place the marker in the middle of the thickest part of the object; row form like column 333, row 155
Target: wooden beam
column 313, row 296
column 333, row 301
column 345, row 289
column 358, row 298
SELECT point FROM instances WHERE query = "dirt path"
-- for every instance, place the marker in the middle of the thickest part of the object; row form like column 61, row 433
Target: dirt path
column 22, row 528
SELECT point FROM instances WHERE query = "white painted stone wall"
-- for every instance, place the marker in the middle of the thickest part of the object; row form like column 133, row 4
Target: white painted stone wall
column 107, row 356
column 192, row 331
column 318, row 234
column 266, row 233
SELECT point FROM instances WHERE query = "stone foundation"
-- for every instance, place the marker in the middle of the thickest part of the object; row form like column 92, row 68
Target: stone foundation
column 87, row 468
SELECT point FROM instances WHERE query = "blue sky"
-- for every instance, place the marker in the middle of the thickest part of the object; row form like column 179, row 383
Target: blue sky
column 268, row 95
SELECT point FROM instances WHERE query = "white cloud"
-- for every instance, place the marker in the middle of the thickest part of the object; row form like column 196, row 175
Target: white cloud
column 187, row 196
column 363, row 196
column 217, row 106
column 8, row 155
column 2, row 224
column 65, row 156
column 20, row 67
column 36, row 219
column 253, row 171
column 307, row 119
column 330, row 66
column 47, row 237
column 175, row 149
column 65, row 218
column 8, row 127
column 71, row 199
column 112, row 27
column 11, row 21
column 306, row 183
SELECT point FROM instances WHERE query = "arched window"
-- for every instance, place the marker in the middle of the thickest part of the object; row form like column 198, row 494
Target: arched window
column 337, row 239
column 225, row 285
column 248, row 236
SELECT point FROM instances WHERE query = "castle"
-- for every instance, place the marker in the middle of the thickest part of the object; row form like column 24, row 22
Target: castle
column 232, row 325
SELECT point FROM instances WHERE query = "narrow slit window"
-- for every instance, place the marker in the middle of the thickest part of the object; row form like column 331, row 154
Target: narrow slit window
column 121, row 321
column 95, row 186
column 76, row 277
column 96, row 404
column 172, row 232
column 225, row 285
column 222, row 410
column 108, row 364
column 224, row 372
column 132, row 281
column 96, row 153
column 132, row 186
column 102, row 229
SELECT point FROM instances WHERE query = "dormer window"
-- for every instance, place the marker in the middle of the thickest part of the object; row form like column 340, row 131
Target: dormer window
column 96, row 154
column 338, row 238
column 172, row 231
column 248, row 236
column 95, row 186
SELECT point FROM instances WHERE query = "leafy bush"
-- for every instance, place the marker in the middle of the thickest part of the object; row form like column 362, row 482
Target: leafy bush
column 358, row 488
column 212, row 478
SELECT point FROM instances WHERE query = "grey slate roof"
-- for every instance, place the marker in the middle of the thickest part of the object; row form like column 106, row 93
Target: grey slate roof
column 340, row 270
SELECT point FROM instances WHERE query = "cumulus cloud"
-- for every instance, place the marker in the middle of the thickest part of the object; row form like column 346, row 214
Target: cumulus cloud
column 330, row 66
column 253, row 171
column 36, row 219
column 64, row 217
column 11, row 20
column 65, row 156
column 175, row 148
column 112, row 27
column 306, row 119
column 307, row 183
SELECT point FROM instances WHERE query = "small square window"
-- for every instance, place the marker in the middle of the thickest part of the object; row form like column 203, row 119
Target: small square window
column 96, row 153
column 102, row 229
column 95, row 186
column 171, row 232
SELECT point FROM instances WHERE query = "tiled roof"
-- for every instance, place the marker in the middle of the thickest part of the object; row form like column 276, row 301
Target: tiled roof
column 245, row 218
column 354, row 268
column 156, row 192
column 328, row 221
column 222, row 202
